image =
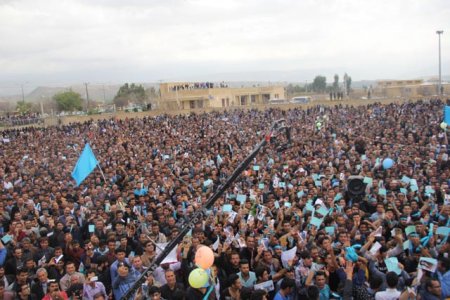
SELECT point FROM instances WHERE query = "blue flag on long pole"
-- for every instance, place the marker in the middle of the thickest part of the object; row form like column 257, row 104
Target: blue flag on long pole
column 85, row 165
column 447, row 114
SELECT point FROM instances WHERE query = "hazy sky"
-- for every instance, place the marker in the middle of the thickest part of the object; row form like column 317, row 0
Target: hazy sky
column 106, row 41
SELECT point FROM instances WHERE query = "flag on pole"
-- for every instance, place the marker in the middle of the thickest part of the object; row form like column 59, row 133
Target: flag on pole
column 447, row 114
column 85, row 165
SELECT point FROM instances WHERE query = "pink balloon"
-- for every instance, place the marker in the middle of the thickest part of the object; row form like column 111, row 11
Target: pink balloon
column 204, row 257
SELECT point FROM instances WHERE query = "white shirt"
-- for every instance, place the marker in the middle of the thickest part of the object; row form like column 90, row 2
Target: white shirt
column 388, row 294
column 160, row 275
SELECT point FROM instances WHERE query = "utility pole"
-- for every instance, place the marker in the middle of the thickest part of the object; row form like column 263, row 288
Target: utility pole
column 104, row 95
column 23, row 94
column 87, row 96
column 439, row 32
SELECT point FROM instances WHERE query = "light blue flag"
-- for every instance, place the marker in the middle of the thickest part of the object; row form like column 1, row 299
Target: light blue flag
column 447, row 114
column 85, row 165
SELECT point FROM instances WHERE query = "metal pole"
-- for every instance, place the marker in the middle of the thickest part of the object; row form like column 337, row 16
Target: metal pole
column 87, row 97
column 439, row 32
column 23, row 94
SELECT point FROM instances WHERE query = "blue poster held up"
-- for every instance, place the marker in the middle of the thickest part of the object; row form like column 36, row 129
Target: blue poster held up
column 447, row 114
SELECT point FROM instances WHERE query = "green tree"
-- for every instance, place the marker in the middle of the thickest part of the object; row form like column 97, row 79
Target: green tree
column 24, row 107
column 130, row 93
column 319, row 84
column 68, row 101
column 336, row 82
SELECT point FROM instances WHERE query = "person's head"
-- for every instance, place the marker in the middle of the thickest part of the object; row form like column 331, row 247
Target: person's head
column 42, row 275
column 154, row 293
column 155, row 228
column 433, row 286
column 53, row 287
column 244, row 266
column 250, row 241
column 392, row 280
column 99, row 296
column 58, row 251
column 170, row 277
column 123, row 269
column 312, row 293
column 137, row 262
column 320, row 279
column 149, row 247
column 43, row 242
column 18, row 252
column 22, row 275
column 234, row 258
column 234, row 282
column 314, row 253
column 74, row 279
column 91, row 274
column 259, row 295
column 2, row 287
column 306, row 258
column 120, row 254
column 70, row 267
column 262, row 274
column 267, row 256
column 376, row 282
column 287, row 285
column 24, row 291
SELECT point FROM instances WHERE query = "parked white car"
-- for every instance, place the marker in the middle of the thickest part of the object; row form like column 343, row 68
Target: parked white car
column 301, row 100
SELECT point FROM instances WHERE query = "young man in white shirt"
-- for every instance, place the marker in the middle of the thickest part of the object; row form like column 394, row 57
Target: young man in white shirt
column 391, row 293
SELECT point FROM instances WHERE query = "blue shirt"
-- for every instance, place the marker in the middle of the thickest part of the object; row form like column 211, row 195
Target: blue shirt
column 113, row 269
column 122, row 284
column 325, row 293
column 445, row 283
column 250, row 282
column 278, row 296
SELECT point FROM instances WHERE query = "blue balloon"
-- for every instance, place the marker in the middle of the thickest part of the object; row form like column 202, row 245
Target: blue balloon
column 388, row 163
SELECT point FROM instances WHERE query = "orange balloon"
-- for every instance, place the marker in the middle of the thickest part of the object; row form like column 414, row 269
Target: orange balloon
column 204, row 257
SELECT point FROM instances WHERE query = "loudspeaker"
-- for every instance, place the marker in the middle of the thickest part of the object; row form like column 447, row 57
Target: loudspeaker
column 356, row 187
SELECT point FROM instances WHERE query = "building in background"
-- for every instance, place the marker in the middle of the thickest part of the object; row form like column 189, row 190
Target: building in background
column 409, row 88
column 195, row 95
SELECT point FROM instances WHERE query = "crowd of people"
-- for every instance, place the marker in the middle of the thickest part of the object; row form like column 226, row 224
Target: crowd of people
column 288, row 228
column 22, row 119
column 198, row 85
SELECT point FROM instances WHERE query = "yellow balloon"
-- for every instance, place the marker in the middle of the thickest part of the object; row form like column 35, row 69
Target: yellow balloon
column 198, row 278
column 443, row 125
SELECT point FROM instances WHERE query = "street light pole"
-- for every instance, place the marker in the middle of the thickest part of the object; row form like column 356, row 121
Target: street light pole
column 439, row 32
column 87, row 97
column 23, row 94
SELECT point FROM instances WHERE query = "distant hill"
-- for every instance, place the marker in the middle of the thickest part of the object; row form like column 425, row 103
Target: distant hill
column 98, row 93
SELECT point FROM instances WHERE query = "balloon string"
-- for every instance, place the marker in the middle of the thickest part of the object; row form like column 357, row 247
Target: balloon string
column 211, row 288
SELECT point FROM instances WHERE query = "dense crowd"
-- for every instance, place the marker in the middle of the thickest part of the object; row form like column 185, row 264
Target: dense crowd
column 286, row 229
column 22, row 119
column 198, row 85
